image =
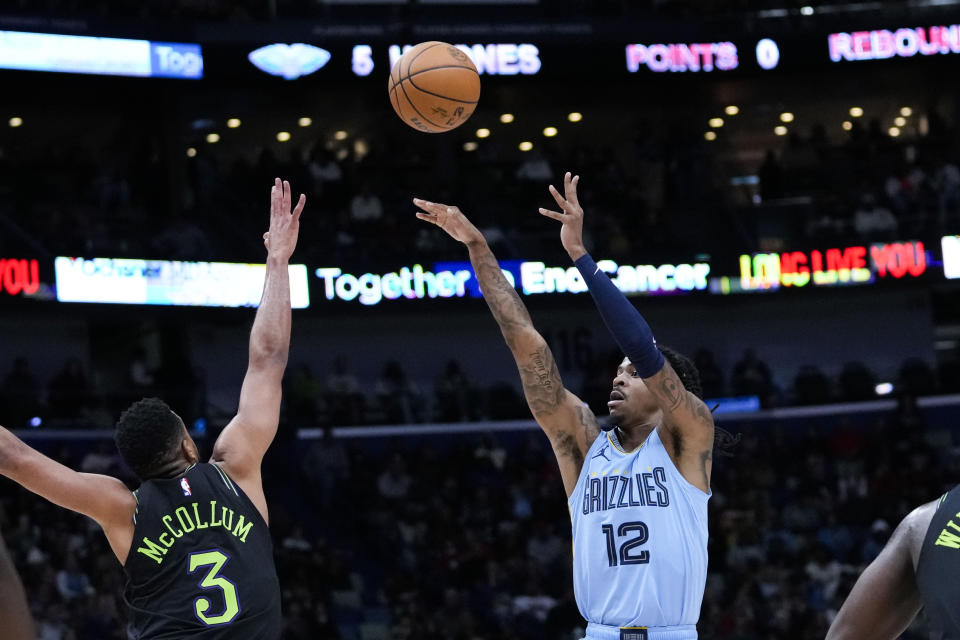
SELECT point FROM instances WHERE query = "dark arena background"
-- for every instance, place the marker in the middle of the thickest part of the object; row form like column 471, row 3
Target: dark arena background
column 777, row 186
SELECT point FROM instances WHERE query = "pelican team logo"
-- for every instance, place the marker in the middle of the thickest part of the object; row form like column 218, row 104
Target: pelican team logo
column 289, row 60
column 185, row 485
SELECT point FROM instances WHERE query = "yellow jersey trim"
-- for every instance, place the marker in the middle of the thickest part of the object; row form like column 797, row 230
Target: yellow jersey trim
column 626, row 453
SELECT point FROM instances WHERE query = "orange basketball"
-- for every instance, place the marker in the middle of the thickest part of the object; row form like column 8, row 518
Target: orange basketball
column 434, row 87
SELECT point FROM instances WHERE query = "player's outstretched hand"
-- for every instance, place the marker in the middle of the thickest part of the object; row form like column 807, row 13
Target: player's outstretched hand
column 450, row 219
column 571, row 233
column 281, row 239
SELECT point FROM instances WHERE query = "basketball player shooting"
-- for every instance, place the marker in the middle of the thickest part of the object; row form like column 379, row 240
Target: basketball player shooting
column 917, row 568
column 638, row 492
column 193, row 539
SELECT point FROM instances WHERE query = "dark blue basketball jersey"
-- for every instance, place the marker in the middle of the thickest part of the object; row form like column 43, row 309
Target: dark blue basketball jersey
column 201, row 562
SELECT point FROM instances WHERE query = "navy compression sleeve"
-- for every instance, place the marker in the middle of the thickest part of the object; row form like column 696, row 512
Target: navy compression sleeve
column 625, row 323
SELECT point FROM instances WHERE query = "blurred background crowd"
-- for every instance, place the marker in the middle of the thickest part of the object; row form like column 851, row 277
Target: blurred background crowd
column 466, row 536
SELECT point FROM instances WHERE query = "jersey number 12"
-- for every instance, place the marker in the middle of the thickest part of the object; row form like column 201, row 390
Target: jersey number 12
column 625, row 556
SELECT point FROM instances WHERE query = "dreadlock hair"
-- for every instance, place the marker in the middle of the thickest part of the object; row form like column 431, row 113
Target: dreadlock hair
column 147, row 435
column 723, row 440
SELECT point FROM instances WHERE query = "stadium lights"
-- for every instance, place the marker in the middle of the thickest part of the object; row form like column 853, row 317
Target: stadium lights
column 233, row 123
column 786, row 116
column 732, row 110
column 780, row 130
column 847, row 125
column 550, row 132
column 191, row 152
column 526, row 145
column 856, row 112
column 894, row 132
column 806, row 10
column 283, row 136
column 716, row 123
column 340, row 135
column 470, row 146
column 575, row 116
column 710, row 136
column 15, row 121
column 906, row 111
column 483, row 133
column 213, row 138
column 506, row 118
column 305, row 121
column 900, row 121
column 883, row 389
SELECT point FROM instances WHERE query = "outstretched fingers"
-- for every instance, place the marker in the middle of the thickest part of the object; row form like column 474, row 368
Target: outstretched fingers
column 570, row 188
column 299, row 208
column 430, row 207
column 286, row 196
column 276, row 197
column 561, row 202
column 551, row 214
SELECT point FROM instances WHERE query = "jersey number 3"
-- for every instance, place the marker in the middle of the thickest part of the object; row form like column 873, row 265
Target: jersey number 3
column 624, row 556
column 213, row 580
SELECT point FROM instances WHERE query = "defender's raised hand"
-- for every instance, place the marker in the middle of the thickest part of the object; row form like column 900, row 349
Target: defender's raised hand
column 571, row 234
column 450, row 219
column 281, row 239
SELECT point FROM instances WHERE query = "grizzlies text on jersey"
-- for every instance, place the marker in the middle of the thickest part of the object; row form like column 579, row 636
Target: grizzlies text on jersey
column 201, row 562
column 639, row 542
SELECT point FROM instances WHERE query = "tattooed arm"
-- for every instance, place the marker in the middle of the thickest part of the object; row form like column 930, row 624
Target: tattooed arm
column 567, row 421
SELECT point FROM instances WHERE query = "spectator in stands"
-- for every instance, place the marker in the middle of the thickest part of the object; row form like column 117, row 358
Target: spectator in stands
column 303, row 395
column 711, row 377
column 365, row 207
column 67, row 393
column 394, row 482
column 534, row 168
column 872, row 221
column 397, row 395
column 326, row 465
column 752, row 377
column 20, row 393
column 72, row 582
column 452, row 394
column 344, row 400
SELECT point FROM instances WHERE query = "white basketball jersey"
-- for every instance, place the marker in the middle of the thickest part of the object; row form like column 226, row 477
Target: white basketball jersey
column 639, row 537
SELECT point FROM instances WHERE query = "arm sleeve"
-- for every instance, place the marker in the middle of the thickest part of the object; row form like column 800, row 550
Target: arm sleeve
column 624, row 322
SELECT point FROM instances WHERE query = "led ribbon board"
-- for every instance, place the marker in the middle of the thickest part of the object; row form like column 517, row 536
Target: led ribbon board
column 951, row 256
column 881, row 44
column 830, row 267
column 102, row 56
column 19, row 277
column 706, row 56
column 172, row 283
column 457, row 280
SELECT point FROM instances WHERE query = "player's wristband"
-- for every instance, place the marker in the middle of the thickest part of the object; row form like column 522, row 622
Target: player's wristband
column 625, row 323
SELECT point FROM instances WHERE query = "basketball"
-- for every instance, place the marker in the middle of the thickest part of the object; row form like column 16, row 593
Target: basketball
column 434, row 87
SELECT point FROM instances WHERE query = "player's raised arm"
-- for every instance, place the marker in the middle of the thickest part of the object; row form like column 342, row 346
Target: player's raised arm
column 14, row 612
column 885, row 598
column 683, row 412
column 567, row 421
column 242, row 445
column 103, row 498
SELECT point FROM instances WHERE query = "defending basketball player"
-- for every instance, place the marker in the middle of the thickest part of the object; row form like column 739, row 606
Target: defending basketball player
column 193, row 539
column 638, row 492
column 14, row 612
column 917, row 568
